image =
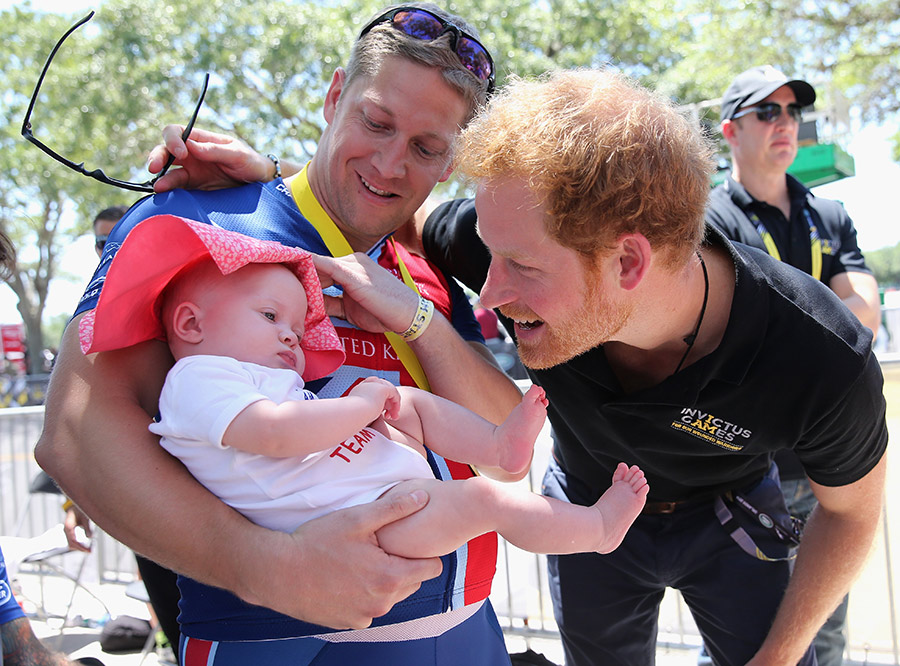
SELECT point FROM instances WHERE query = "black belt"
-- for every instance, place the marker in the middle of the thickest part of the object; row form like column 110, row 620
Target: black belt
column 657, row 508
column 653, row 508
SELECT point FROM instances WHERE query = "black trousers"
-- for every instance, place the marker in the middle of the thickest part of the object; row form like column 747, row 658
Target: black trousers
column 162, row 588
column 607, row 606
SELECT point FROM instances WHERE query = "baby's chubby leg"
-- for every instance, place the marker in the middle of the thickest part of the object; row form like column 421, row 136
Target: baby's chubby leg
column 515, row 437
column 457, row 511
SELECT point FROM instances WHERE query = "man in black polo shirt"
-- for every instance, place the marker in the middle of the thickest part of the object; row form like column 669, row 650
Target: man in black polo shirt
column 761, row 205
column 671, row 348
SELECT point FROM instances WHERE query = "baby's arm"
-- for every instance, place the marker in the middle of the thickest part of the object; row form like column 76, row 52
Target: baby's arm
column 301, row 427
column 502, row 452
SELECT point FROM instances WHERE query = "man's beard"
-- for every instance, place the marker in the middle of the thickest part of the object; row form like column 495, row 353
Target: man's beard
column 596, row 322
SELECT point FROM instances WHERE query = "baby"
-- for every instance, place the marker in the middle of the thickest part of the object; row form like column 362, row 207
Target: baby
column 245, row 321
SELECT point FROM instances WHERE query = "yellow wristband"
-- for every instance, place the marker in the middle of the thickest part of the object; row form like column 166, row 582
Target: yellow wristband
column 68, row 504
column 420, row 321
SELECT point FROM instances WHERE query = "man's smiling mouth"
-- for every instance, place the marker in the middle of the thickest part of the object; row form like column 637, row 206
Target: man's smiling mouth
column 375, row 190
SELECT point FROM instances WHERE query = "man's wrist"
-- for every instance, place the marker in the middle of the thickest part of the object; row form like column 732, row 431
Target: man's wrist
column 274, row 159
column 421, row 320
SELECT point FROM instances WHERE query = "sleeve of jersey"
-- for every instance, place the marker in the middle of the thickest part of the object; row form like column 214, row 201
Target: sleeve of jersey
column 9, row 607
column 723, row 214
column 849, row 439
column 200, row 399
column 850, row 257
column 452, row 243
column 176, row 202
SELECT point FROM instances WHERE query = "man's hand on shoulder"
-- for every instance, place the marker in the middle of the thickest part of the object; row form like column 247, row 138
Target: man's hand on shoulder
column 207, row 161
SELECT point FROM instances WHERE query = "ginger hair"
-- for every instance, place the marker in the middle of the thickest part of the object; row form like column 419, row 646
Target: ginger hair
column 604, row 155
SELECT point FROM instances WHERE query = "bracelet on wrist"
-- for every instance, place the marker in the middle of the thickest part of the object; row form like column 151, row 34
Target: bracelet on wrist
column 277, row 164
column 420, row 321
column 68, row 504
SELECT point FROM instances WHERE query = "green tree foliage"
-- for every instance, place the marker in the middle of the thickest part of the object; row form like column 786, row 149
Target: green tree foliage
column 885, row 264
column 35, row 196
column 850, row 47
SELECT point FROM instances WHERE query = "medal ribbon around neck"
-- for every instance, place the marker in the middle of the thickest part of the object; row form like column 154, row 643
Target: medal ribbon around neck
column 312, row 210
column 815, row 242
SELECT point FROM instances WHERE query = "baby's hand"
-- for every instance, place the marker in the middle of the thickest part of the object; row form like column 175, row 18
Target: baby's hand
column 382, row 393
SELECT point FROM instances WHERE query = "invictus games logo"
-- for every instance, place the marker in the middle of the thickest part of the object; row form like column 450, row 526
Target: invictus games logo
column 712, row 429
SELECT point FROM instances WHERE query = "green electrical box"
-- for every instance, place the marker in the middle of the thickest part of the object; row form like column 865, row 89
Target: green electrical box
column 814, row 165
column 821, row 163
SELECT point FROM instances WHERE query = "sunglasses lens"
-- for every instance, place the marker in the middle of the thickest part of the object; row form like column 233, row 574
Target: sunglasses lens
column 422, row 25
column 768, row 113
column 474, row 56
column 418, row 24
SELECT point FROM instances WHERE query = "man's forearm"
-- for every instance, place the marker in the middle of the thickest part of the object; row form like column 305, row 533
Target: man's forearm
column 859, row 292
column 22, row 648
column 833, row 551
column 869, row 314
column 458, row 372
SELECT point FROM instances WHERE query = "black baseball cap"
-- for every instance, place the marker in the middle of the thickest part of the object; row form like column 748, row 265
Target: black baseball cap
column 756, row 84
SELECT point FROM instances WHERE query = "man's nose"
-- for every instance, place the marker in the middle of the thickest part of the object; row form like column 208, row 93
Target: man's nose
column 497, row 289
column 390, row 158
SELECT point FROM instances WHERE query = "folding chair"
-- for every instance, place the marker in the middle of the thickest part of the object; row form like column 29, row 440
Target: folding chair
column 46, row 551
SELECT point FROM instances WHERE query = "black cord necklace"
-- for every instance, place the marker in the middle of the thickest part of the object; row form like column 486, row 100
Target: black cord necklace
column 690, row 339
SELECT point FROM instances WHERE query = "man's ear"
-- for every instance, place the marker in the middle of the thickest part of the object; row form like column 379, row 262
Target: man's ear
column 728, row 130
column 334, row 94
column 446, row 173
column 187, row 323
column 634, row 256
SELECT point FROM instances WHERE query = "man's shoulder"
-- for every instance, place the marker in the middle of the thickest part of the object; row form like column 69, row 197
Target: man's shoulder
column 726, row 215
column 830, row 211
column 722, row 206
column 800, row 307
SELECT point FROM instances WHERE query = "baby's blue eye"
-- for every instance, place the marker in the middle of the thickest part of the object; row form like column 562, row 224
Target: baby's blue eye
column 269, row 315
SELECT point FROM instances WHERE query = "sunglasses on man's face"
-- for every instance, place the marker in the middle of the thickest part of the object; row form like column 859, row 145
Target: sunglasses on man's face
column 100, row 242
column 770, row 112
column 97, row 174
column 426, row 26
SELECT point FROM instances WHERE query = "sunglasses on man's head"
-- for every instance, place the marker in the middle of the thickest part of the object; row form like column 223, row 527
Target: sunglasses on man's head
column 426, row 26
column 97, row 174
column 770, row 112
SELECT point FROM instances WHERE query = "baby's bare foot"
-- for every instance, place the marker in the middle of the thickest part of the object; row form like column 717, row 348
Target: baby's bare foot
column 517, row 434
column 621, row 504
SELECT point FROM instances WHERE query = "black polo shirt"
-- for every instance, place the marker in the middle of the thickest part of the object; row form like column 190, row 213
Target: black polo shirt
column 794, row 370
column 731, row 206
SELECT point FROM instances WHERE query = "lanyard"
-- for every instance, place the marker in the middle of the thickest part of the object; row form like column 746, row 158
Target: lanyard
column 815, row 242
column 312, row 210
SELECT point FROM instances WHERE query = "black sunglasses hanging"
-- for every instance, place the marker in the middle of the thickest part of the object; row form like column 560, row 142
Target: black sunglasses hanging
column 98, row 174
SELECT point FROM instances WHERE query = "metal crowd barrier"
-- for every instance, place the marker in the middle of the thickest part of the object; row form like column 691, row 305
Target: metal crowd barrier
column 25, row 515
column 520, row 594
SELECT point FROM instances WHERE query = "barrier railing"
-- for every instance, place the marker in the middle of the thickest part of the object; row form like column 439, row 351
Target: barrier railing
column 520, row 596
